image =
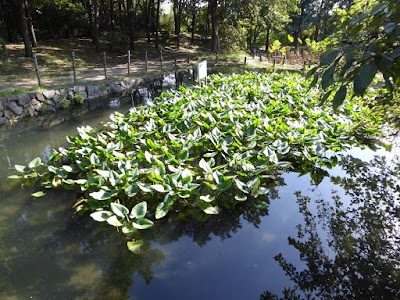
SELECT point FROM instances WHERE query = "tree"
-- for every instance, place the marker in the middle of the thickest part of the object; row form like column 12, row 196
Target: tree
column 23, row 26
column 213, row 9
column 367, row 42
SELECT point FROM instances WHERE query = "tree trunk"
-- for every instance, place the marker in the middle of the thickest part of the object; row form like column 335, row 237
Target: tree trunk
column 31, row 29
column 267, row 40
column 193, row 26
column 147, row 17
column 214, row 23
column 177, row 17
column 130, row 25
column 111, row 16
column 23, row 27
column 96, row 32
column 157, row 21
column 298, row 32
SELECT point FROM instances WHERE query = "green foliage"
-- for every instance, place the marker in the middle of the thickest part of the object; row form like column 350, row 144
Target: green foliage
column 198, row 150
column 367, row 43
column 65, row 103
column 79, row 99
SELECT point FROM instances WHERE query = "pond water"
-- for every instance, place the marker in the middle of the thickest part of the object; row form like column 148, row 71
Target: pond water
column 47, row 252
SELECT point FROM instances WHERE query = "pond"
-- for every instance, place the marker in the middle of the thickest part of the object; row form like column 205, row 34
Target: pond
column 346, row 246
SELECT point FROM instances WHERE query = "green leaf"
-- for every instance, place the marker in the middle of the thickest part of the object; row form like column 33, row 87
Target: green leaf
column 327, row 78
column 262, row 205
column 142, row 224
column 15, row 176
column 241, row 198
column 119, row 209
column 101, row 216
column 205, row 166
column 211, row 210
column 241, row 186
column 38, row 194
column 135, row 246
column 100, row 195
column 329, row 57
column 150, row 144
column 339, row 97
column 139, row 210
column 132, row 190
column 290, row 38
column 35, row 163
column 21, row 169
column 163, row 208
column 256, row 187
column 223, row 186
column 94, row 159
column 159, row 188
column 390, row 27
column 364, row 78
column 115, row 221
column 207, row 198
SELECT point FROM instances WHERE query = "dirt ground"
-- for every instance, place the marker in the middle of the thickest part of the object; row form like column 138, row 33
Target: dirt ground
column 55, row 62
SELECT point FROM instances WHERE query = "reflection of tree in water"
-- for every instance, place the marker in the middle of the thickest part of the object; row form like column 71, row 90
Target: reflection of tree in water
column 362, row 256
column 67, row 257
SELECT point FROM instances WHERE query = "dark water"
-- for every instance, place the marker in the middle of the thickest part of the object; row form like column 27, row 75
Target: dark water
column 47, row 252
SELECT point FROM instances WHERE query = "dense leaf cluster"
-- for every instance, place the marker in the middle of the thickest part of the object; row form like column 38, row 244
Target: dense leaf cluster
column 200, row 147
column 364, row 46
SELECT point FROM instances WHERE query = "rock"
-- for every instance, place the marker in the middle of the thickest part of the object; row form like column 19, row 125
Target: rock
column 56, row 101
column 38, row 106
column 63, row 93
column 3, row 103
column 3, row 120
column 12, row 98
column 1, row 114
column 30, row 109
column 24, row 99
column 49, row 94
column 55, row 122
column 49, row 102
column 39, row 97
column 8, row 114
column 14, row 108
column 79, row 88
column 34, row 102
column 90, row 91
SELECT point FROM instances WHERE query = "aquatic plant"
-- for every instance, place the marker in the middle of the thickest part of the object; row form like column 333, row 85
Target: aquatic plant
column 198, row 149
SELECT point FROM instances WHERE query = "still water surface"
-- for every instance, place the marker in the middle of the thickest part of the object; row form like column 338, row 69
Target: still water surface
column 47, row 252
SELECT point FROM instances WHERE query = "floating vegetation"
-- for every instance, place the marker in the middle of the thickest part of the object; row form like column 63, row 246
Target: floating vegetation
column 199, row 149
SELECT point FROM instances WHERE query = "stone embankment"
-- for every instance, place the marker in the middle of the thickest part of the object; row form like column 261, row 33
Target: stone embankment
column 16, row 107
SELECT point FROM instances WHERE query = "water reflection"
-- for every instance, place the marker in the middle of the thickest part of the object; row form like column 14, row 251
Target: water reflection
column 359, row 257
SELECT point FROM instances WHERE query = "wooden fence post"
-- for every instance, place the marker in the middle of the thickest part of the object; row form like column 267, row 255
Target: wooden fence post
column 188, row 59
column 216, row 58
column 73, row 65
column 274, row 64
column 37, row 68
column 176, row 63
column 284, row 60
column 129, row 62
column 245, row 59
column 260, row 56
column 105, row 64
column 146, row 61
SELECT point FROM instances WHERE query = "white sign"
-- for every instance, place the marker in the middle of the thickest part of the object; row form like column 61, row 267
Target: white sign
column 202, row 70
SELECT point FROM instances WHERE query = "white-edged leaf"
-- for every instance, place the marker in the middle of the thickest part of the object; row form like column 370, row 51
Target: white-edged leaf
column 101, row 216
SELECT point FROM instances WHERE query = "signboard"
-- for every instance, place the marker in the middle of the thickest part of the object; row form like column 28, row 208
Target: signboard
column 202, row 70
